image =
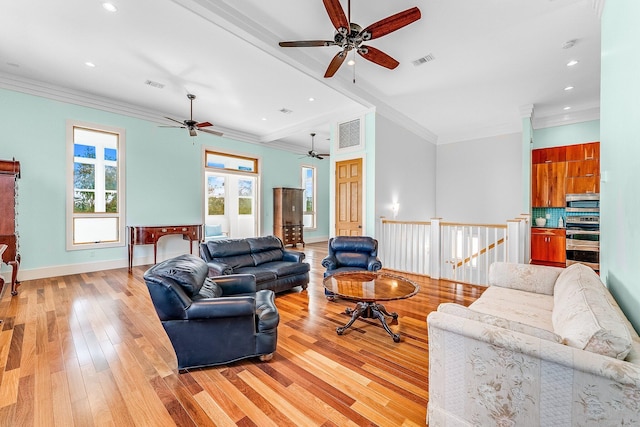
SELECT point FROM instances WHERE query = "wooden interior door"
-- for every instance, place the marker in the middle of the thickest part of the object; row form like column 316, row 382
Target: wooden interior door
column 349, row 198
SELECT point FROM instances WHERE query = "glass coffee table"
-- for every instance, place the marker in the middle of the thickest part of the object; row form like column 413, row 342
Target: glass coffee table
column 367, row 288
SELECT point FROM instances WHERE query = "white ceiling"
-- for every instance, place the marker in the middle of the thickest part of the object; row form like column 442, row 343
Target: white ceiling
column 492, row 57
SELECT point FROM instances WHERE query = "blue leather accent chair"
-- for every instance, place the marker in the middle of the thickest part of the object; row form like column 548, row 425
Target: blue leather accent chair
column 212, row 320
column 351, row 253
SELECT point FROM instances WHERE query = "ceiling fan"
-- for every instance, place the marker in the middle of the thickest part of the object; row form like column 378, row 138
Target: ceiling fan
column 191, row 124
column 313, row 153
column 350, row 36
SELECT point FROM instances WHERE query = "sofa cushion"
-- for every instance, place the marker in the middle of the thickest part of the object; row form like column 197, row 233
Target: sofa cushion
column 262, row 275
column 527, row 277
column 512, row 325
column 284, row 268
column 584, row 317
column 187, row 270
column 352, row 259
column 264, row 243
column 269, row 255
column 520, row 306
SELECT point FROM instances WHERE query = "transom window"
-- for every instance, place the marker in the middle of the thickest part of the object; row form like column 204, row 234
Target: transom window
column 95, row 194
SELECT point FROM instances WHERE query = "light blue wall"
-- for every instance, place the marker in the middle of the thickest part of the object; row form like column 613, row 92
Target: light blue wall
column 620, row 154
column 577, row 133
column 163, row 173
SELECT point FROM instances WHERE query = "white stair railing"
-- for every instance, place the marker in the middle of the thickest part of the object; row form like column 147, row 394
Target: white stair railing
column 451, row 251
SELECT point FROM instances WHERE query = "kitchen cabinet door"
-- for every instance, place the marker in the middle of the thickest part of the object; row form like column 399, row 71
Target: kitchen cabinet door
column 548, row 247
column 548, row 184
column 588, row 151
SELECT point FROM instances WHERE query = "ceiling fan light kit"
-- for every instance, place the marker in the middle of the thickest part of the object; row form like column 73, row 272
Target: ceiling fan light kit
column 191, row 125
column 350, row 36
column 313, row 153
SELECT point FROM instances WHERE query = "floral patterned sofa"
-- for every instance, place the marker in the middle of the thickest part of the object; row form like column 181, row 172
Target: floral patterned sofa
column 543, row 346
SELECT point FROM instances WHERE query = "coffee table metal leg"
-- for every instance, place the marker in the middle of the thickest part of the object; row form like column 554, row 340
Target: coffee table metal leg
column 361, row 307
column 379, row 311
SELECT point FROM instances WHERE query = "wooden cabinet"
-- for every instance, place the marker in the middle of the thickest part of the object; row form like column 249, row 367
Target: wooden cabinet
column 588, row 151
column 548, row 247
column 287, row 215
column 9, row 173
column 583, row 168
column 548, row 184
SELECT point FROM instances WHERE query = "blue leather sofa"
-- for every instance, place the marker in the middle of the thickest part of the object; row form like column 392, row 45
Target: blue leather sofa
column 273, row 266
column 212, row 320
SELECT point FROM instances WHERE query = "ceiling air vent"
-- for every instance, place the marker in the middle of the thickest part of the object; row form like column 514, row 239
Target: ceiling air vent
column 424, row 60
column 349, row 134
column 154, row 84
column 285, row 111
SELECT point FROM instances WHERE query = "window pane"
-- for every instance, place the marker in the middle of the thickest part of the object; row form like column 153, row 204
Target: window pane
column 84, row 176
column 111, row 202
column 307, row 220
column 85, row 151
column 84, row 202
column 245, row 205
column 245, row 188
column 221, row 161
column 93, row 230
column 215, row 193
column 110, row 154
column 110, row 178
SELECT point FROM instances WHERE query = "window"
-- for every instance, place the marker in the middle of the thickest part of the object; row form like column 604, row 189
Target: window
column 309, row 196
column 95, row 186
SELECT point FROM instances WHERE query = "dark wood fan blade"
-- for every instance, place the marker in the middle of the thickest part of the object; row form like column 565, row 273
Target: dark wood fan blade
column 336, row 62
column 336, row 14
column 378, row 57
column 391, row 24
column 212, row 132
column 174, row 120
column 324, row 154
column 307, row 43
column 203, row 125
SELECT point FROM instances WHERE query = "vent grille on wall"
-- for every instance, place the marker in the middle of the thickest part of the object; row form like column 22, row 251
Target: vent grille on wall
column 349, row 134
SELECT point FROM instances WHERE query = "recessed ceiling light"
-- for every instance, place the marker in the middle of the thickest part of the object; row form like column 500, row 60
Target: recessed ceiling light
column 90, row 64
column 568, row 88
column 264, row 119
column 110, row 7
column 572, row 63
column 351, row 62
column 567, row 108
column 311, row 99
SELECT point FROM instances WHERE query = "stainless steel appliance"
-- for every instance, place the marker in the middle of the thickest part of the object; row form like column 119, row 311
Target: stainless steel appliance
column 583, row 230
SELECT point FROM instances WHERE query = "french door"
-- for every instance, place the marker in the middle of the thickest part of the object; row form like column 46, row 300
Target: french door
column 230, row 201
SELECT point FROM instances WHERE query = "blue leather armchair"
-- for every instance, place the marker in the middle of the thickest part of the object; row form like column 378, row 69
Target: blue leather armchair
column 215, row 320
column 351, row 253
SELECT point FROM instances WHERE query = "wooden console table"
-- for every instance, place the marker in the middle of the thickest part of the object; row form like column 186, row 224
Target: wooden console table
column 150, row 234
column 9, row 174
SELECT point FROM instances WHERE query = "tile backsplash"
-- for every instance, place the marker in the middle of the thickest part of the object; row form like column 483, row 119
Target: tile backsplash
column 554, row 215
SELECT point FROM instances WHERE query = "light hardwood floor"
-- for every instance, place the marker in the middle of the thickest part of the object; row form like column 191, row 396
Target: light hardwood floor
column 88, row 349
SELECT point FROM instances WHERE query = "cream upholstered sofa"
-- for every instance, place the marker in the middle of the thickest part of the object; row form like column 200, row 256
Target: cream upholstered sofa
column 543, row 346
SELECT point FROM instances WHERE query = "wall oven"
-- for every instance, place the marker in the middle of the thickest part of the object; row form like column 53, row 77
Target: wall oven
column 583, row 230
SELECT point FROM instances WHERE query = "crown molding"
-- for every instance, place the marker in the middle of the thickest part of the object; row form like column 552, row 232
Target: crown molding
column 487, row 132
column 598, row 7
column 85, row 99
column 567, row 118
column 526, row 111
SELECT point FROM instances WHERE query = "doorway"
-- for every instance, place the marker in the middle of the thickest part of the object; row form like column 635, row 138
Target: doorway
column 230, row 202
column 349, row 197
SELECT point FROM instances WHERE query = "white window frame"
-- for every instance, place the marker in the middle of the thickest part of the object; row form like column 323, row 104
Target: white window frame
column 314, row 185
column 118, row 216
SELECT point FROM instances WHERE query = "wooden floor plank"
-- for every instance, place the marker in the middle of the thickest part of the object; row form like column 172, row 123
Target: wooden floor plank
column 88, row 349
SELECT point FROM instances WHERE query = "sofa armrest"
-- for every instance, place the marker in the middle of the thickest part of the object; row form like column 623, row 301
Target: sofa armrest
column 219, row 268
column 330, row 262
column 293, row 256
column 234, row 284
column 374, row 264
column 214, row 308
column 479, row 373
column 539, row 279
column 268, row 317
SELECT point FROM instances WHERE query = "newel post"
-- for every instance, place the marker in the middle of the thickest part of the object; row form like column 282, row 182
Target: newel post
column 435, row 239
column 514, row 241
